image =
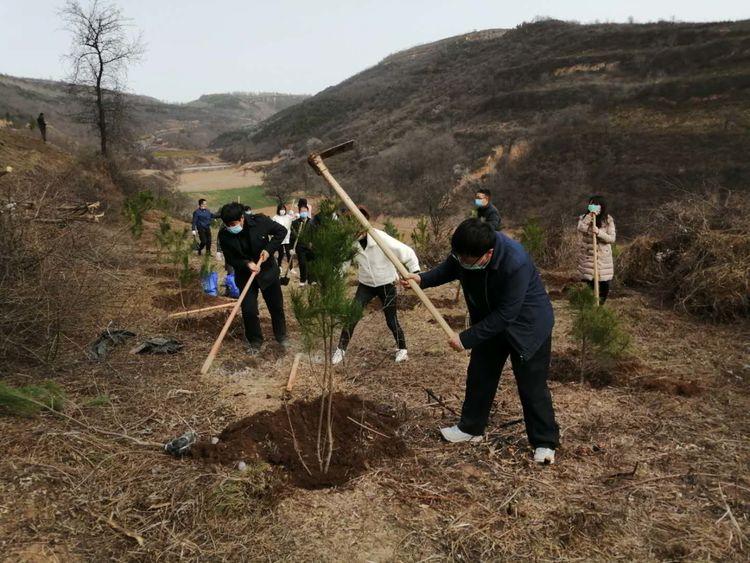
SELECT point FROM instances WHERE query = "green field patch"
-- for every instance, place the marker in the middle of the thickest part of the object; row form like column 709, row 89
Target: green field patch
column 254, row 196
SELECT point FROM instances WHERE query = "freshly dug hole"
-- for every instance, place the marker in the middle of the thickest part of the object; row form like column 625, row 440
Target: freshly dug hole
column 267, row 435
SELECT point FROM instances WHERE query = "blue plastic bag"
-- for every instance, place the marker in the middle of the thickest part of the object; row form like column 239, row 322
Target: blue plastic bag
column 210, row 284
column 231, row 287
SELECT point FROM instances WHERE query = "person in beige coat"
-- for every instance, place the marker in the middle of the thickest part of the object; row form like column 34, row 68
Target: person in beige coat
column 604, row 229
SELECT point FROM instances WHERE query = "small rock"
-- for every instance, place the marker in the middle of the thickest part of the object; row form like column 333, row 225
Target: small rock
column 214, row 440
column 242, row 466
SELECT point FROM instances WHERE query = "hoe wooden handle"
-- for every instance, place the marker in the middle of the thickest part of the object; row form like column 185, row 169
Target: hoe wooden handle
column 316, row 161
column 228, row 323
column 596, row 260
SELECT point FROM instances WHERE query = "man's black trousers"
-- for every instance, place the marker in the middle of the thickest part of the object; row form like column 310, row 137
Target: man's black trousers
column 274, row 301
column 387, row 295
column 205, row 237
column 483, row 377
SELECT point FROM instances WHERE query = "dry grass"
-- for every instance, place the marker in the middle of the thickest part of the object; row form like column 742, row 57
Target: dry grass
column 698, row 254
column 642, row 473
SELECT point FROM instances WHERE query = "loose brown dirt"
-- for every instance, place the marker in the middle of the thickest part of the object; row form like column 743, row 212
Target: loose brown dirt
column 364, row 434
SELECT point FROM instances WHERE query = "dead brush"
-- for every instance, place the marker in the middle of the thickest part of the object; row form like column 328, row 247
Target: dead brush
column 52, row 283
column 697, row 252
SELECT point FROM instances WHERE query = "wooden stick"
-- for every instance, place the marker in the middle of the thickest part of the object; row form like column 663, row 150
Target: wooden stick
column 317, row 162
column 293, row 373
column 202, row 310
column 458, row 293
column 228, row 323
column 596, row 261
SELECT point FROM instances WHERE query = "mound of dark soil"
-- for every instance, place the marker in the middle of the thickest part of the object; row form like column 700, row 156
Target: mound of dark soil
column 364, row 434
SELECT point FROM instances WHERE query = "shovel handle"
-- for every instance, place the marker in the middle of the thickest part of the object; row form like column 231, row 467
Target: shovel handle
column 228, row 323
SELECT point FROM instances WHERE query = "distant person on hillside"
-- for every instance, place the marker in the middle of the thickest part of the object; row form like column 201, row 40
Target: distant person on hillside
column 485, row 210
column 246, row 241
column 303, row 250
column 202, row 219
column 284, row 219
column 604, row 229
column 42, row 124
column 511, row 316
column 377, row 278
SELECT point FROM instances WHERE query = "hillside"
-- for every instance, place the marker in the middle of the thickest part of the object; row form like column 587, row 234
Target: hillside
column 190, row 125
column 633, row 110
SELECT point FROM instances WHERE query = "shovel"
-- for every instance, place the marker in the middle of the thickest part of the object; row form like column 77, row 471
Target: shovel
column 284, row 280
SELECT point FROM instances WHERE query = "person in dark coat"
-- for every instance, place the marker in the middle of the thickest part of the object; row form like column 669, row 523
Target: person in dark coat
column 302, row 249
column 511, row 315
column 485, row 210
column 244, row 242
column 42, row 124
column 202, row 219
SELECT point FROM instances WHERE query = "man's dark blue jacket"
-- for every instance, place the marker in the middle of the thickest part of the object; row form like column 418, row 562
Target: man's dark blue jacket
column 202, row 218
column 507, row 297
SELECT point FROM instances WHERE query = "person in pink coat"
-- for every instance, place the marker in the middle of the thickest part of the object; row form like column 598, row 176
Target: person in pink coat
column 604, row 229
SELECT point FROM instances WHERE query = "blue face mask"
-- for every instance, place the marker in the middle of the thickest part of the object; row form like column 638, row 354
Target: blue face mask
column 593, row 208
column 235, row 229
column 304, row 214
column 479, row 202
column 471, row 266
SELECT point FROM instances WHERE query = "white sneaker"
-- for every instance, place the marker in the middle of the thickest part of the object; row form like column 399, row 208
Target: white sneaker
column 338, row 356
column 454, row 434
column 302, row 284
column 544, row 455
column 402, row 356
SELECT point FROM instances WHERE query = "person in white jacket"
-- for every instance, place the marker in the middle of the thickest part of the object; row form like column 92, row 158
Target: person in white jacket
column 377, row 277
column 284, row 218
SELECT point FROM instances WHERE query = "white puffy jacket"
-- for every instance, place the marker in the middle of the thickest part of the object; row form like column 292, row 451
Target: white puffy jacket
column 606, row 237
column 286, row 222
column 374, row 267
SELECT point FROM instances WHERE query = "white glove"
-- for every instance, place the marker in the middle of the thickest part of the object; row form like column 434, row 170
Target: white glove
column 195, row 233
column 220, row 256
column 292, row 253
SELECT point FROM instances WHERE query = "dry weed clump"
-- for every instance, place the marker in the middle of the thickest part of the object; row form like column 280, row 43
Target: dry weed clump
column 697, row 252
column 53, row 265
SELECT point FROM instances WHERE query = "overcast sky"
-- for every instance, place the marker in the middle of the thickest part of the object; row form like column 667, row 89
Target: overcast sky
column 298, row 46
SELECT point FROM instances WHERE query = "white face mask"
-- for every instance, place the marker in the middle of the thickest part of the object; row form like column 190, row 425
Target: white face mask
column 282, row 212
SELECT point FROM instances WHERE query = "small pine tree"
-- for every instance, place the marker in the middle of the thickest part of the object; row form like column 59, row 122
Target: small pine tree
column 534, row 240
column 30, row 399
column 178, row 246
column 136, row 207
column 391, row 229
column 324, row 309
column 601, row 339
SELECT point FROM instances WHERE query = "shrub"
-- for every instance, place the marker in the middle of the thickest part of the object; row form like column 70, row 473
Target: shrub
column 534, row 240
column 324, row 309
column 135, row 207
column 601, row 340
column 391, row 229
column 178, row 246
column 697, row 252
column 30, row 399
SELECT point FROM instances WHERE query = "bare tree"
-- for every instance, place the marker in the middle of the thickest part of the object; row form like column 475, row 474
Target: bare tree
column 285, row 178
column 101, row 51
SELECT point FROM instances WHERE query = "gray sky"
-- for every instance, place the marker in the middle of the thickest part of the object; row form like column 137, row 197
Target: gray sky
column 298, row 46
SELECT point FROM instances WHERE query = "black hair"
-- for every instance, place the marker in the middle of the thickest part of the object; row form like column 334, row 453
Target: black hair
column 279, row 207
column 231, row 212
column 302, row 202
column 246, row 208
column 603, row 215
column 364, row 211
column 473, row 237
column 201, row 200
column 485, row 191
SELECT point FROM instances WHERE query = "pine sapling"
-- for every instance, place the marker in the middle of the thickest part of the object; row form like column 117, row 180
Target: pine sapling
column 325, row 308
